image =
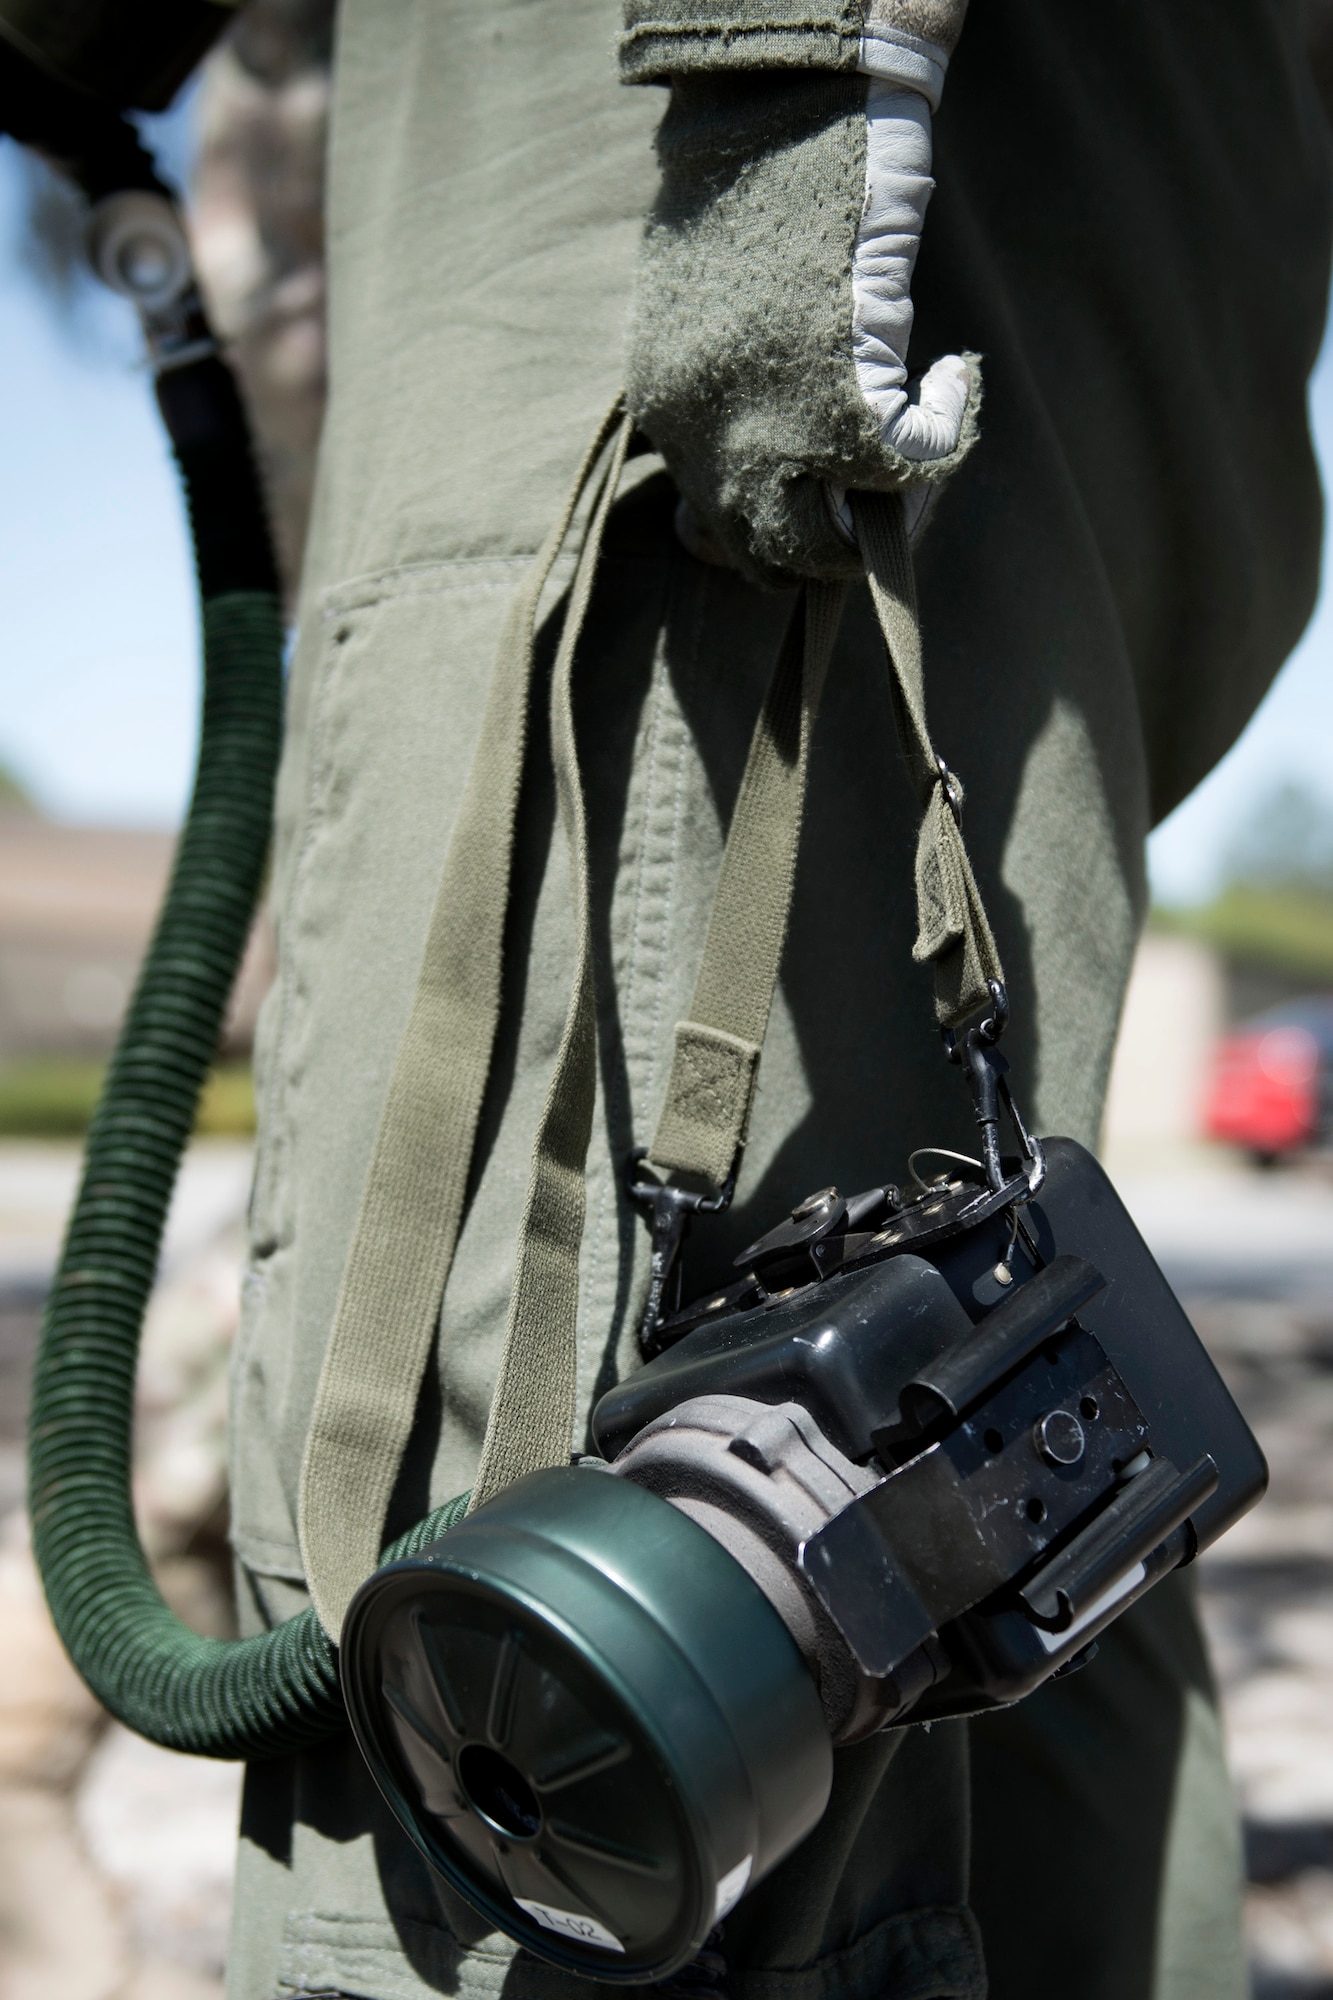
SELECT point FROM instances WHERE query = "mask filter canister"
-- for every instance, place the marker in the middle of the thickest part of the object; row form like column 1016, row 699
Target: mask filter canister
column 591, row 1720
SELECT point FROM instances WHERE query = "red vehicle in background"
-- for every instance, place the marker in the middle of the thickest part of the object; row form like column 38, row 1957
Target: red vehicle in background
column 1272, row 1082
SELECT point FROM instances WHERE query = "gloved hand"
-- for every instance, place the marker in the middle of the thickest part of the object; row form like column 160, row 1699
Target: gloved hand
column 768, row 348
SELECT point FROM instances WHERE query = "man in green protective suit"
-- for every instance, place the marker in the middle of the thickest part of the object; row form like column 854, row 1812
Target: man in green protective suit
column 1126, row 256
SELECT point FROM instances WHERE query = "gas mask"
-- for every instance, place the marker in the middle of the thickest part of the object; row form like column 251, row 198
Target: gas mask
column 909, row 1465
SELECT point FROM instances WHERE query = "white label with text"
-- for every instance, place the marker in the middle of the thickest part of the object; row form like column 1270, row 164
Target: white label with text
column 731, row 1888
column 571, row 1924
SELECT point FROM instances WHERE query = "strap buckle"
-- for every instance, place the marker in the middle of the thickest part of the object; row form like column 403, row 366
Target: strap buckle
column 979, row 1055
column 670, row 1211
column 953, row 798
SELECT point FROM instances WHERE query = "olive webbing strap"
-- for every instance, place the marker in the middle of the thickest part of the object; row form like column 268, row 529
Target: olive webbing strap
column 412, row 1207
column 715, row 1063
column 416, row 1186
column 531, row 1420
column 532, row 1414
column 953, row 933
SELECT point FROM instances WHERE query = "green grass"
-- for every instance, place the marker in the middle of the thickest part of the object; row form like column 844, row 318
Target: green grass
column 53, row 1097
column 1289, row 929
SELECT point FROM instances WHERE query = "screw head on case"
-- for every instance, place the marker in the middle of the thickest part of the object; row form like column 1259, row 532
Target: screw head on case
column 1058, row 1436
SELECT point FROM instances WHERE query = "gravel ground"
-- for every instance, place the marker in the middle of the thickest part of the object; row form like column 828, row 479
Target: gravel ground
column 1251, row 1255
column 115, row 1857
column 1268, row 1603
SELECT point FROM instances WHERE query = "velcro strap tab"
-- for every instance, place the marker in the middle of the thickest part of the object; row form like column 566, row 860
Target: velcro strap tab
column 941, row 895
column 708, row 1101
column 953, row 932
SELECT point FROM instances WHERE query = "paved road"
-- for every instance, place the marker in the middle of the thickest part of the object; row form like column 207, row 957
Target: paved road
column 1222, row 1232
column 1252, row 1257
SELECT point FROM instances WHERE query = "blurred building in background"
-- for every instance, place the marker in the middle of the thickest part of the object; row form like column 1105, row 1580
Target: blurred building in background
column 1174, row 1011
column 77, row 908
column 1271, row 924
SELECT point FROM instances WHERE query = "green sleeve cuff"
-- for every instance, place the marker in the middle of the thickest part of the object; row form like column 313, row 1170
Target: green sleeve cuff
column 665, row 38
column 133, row 54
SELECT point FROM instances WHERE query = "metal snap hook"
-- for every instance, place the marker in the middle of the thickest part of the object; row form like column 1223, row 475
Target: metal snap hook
column 953, row 791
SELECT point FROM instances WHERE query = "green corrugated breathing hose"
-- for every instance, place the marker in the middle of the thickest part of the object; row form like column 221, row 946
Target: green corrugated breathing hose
column 269, row 1694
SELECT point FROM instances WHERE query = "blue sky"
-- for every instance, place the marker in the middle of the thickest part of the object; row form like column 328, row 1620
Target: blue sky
column 1290, row 737
column 98, row 651
column 98, row 665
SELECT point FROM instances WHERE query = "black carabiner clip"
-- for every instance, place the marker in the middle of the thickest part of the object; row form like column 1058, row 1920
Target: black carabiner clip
column 670, row 1211
column 985, row 1067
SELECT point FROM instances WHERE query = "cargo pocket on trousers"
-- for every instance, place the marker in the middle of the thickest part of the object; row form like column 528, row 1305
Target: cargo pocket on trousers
column 931, row 1954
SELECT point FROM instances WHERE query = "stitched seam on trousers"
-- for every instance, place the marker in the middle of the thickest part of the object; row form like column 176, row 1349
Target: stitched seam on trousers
column 411, row 579
column 275, row 1119
column 252, row 1305
column 445, row 578
column 275, row 1133
column 264, row 1555
column 352, row 593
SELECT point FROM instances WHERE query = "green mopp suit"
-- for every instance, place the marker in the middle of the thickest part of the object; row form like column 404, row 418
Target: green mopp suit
column 1130, row 228
column 1118, row 298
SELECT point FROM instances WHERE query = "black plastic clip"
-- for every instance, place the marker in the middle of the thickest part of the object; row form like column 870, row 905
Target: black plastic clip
column 670, row 1211
column 979, row 1055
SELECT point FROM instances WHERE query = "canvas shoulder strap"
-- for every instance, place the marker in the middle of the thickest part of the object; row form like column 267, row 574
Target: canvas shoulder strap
column 953, row 933
column 416, row 1186
column 413, row 1201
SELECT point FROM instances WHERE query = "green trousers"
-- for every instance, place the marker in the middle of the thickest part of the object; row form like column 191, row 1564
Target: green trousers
column 1131, row 226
